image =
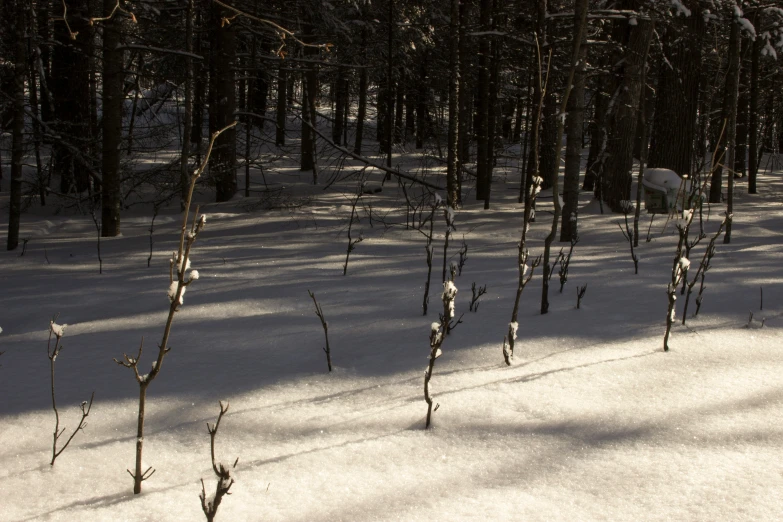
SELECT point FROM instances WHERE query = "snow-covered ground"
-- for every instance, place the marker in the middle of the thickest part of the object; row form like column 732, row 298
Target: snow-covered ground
column 592, row 422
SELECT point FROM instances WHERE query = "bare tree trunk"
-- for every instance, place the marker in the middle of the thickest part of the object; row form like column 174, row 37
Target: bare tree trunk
column 732, row 84
column 616, row 181
column 362, row 114
column 17, row 126
column 753, row 146
column 222, row 103
column 113, row 76
column 452, row 166
column 183, row 163
column 580, row 25
column 743, row 103
column 483, row 168
column 573, row 155
column 729, row 116
column 282, row 88
column 677, row 97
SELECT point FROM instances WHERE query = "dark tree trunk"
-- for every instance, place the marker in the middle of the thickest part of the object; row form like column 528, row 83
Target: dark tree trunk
column 222, row 103
column 421, row 104
column 357, row 148
column 43, row 37
column 677, row 101
column 483, row 167
column 71, row 91
column 17, row 125
column 464, row 89
column 340, row 105
column 743, row 103
column 260, row 94
column 546, row 166
column 399, row 130
column 282, row 106
column 753, row 130
column 452, row 169
column 573, row 153
column 199, row 89
column 729, row 114
column 113, row 95
column 616, row 186
column 184, row 175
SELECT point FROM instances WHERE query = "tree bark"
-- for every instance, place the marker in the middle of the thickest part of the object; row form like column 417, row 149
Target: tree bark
column 362, row 112
column 17, row 125
column 222, row 103
column 616, row 186
column 573, row 154
column 282, row 88
column 452, row 165
column 483, row 167
column 753, row 130
column 677, row 101
column 113, row 96
column 729, row 114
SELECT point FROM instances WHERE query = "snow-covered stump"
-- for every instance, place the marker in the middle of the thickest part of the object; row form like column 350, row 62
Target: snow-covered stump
column 701, row 271
column 179, row 265
column 438, row 333
column 224, row 481
column 320, row 313
column 58, row 330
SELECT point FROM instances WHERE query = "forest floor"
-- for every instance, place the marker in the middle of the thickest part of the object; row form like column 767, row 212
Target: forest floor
column 593, row 421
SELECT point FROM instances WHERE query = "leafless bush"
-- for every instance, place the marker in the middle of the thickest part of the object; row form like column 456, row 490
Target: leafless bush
column 58, row 330
column 325, row 325
column 223, row 473
column 477, row 293
column 438, row 332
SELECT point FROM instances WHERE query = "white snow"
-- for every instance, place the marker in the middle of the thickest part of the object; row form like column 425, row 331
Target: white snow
column 592, row 422
column 680, row 8
column 57, row 329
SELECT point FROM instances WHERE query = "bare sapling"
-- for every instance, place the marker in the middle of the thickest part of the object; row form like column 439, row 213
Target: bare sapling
column 438, row 333
column 580, row 293
column 352, row 242
column 701, row 271
column 525, row 275
column 223, row 473
column 180, row 277
column 630, row 234
column 155, row 210
column 756, row 324
column 430, row 250
column 679, row 265
column 97, row 223
column 58, row 330
column 649, row 229
column 448, row 214
column 320, row 313
column 477, row 293
column 565, row 262
column 463, row 256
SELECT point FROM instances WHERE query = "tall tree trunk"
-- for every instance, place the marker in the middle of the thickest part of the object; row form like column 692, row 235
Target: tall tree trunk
column 43, row 13
column 483, row 168
column 184, row 175
column 732, row 84
column 616, row 186
column 729, row 114
column 222, row 103
column 743, row 103
column 753, row 130
column 573, row 155
column 421, row 103
column 113, row 95
column 452, row 165
column 399, row 131
column 389, row 104
column 17, row 125
column 580, row 25
column 533, row 162
column 362, row 114
column 464, row 89
column 71, row 92
column 282, row 89
column 340, row 108
column 677, row 101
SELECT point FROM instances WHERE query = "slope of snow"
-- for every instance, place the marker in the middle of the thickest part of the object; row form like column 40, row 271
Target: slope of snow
column 592, row 422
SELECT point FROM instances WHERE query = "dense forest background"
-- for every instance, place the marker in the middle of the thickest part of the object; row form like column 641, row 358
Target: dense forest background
column 691, row 85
